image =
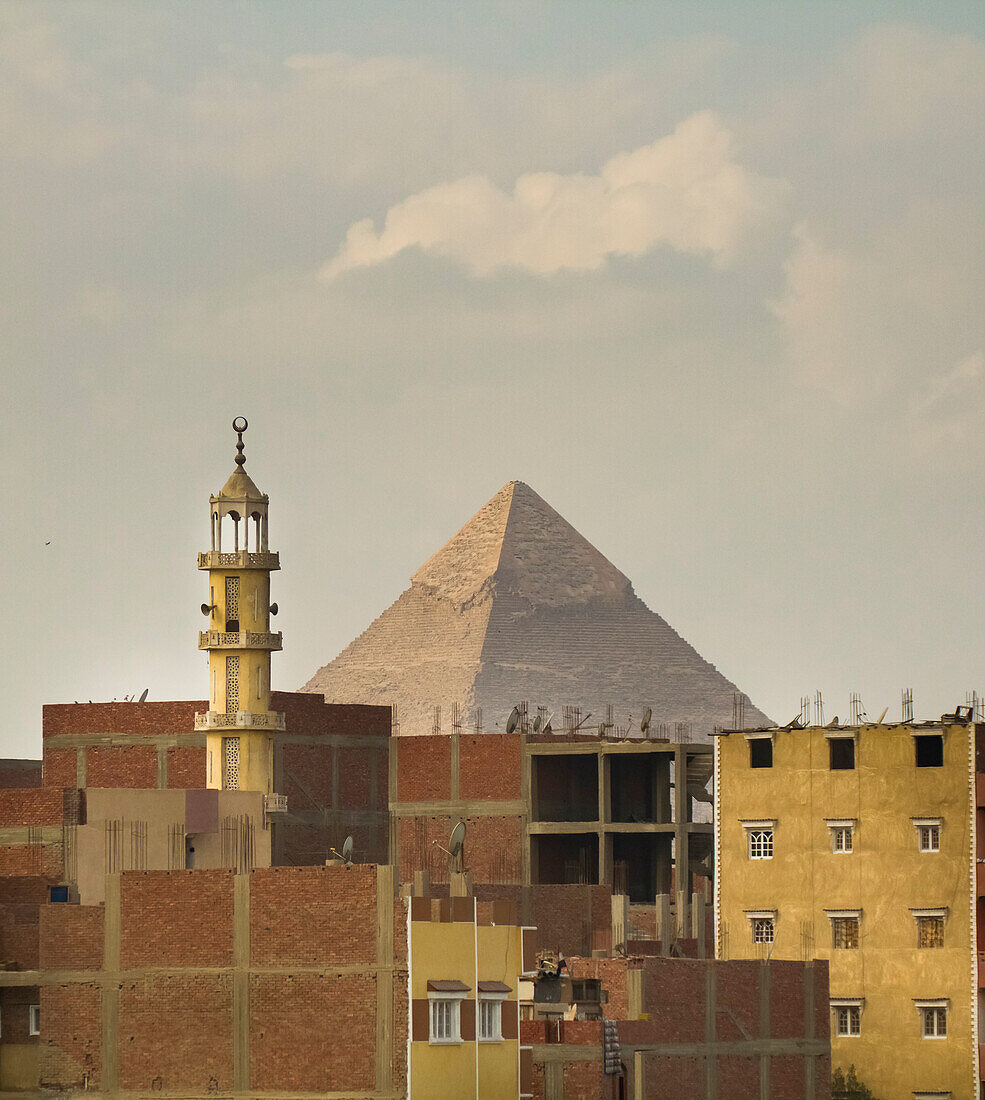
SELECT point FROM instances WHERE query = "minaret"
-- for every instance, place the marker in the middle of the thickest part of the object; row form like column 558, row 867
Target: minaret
column 239, row 722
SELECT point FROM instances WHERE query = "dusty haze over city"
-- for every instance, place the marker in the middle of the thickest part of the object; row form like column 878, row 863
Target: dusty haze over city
column 707, row 277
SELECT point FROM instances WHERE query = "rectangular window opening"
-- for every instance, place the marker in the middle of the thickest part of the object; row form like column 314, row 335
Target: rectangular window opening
column 490, row 1020
column 34, row 1020
column 930, row 750
column 763, row 930
column 842, row 754
column 930, row 931
column 445, row 1017
column 760, row 752
column 841, row 839
column 930, row 838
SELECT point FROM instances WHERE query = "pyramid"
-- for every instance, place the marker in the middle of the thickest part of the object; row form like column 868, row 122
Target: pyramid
column 519, row 606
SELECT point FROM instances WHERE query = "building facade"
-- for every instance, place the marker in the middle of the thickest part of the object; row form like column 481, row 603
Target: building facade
column 857, row 844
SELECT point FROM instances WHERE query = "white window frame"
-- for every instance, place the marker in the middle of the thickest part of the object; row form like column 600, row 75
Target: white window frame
column 34, row 1020
column 755, row 915
column 930, row 823
column 849, row 1004
column 759, row 828
column 846, row 827
column 935, row 1005
column 454, row 1003
column 845, row 914
column 493, row 1002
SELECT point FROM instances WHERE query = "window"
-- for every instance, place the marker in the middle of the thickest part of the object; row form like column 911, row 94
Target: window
column 928, row 833
column 933, row 1019
column 761, row 844
column 930, row 750
column 930, row 926
column 848, row 1017
column 490, row 1019
column 841, row 751
column 842, row 835
column 844, row 932
column 763, row 930
column 34, row 1020
column 761, row 752
column 445, row 1019
column 759, row 838
column 930, row 932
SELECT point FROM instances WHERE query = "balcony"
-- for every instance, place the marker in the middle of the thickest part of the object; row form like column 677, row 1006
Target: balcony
column 241, row 639
column 238, row 559
column 275, row 803
column 239, row 720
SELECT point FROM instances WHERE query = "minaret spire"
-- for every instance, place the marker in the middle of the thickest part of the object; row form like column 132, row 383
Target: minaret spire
column 239, row 722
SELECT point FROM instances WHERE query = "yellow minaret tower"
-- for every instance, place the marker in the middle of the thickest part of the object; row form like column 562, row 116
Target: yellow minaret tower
column 239, row 723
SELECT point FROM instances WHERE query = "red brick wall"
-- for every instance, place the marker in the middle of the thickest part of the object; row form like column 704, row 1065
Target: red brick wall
column 176, row 1033
column 307, row 713
column 423, row 768
column 354, row 777
column 493, row 848
column 307, row 776
column 313, row 915
column 489, row 766
column 60, row 767
column 139, row 719
column 415, row 837
column 185, row 917
column 121, row 766
column 31, row 860
column 313, row 1033
column 21, row 899
column 38, row 806
column 186, row 767
column 71, row 1036
column 71, row 937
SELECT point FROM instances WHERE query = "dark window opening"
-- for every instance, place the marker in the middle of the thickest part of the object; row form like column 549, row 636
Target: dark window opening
column 58, row 893
column 570, row 859
column 640, row 787
column 842, row 752
column 232, row 626
column 566, row 788
column 761, row 752
column 930, row 751
column 641, row 866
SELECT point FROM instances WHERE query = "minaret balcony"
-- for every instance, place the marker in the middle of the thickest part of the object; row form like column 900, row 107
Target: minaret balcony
column 239, row 639
column 239, row 720
column 239, row 559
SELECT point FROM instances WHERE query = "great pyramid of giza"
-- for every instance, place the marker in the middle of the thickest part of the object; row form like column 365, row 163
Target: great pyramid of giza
column 518, row 606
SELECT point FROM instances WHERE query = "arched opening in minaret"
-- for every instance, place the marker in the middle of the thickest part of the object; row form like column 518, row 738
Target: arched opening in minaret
column 234, row 516
column 255, row 516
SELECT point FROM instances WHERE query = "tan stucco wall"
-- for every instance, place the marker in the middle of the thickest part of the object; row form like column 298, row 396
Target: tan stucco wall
column 885, row 876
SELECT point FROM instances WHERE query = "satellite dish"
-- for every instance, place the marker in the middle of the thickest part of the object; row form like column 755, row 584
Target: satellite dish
column 833, row 722
column 274, row 609
column 537, row 724
column 513, row 720
column 457, row 839
column 143, row 696
column 208, row 608
column 347, row 850
column 645, row 721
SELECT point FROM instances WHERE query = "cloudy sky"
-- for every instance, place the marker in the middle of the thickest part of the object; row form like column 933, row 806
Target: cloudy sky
column 706, row 275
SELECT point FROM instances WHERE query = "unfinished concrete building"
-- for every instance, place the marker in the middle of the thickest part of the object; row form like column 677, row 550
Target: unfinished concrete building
column 518, row 605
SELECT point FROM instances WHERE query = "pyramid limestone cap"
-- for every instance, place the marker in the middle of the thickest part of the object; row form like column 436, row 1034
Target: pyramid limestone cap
column 519, row 544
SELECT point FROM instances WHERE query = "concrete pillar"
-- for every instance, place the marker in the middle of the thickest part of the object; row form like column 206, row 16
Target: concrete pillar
column 422, row 884
column 665, row 931
column 683, row 924
column 698, row 922
column 620, row 919
column 460, row 884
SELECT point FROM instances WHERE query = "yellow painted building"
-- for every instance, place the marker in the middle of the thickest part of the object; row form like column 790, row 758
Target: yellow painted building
column 465, row 959
column 239, row 723
column 857, row 844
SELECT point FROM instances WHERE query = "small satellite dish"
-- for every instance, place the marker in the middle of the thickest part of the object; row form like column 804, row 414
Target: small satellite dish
column 347, row 849
column 513, row 720
column 457, row 839
column 143, row 696
column 274, row 609
column 537, row 724
column 645, row 721
column 833, row 722
column 208, row 608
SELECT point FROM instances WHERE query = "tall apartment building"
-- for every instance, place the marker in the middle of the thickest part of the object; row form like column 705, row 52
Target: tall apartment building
column 857, row 844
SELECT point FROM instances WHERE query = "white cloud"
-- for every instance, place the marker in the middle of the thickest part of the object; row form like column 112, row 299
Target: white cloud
column 686, row 191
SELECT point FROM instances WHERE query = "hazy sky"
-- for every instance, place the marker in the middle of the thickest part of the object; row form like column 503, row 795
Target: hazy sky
column 707, row 276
